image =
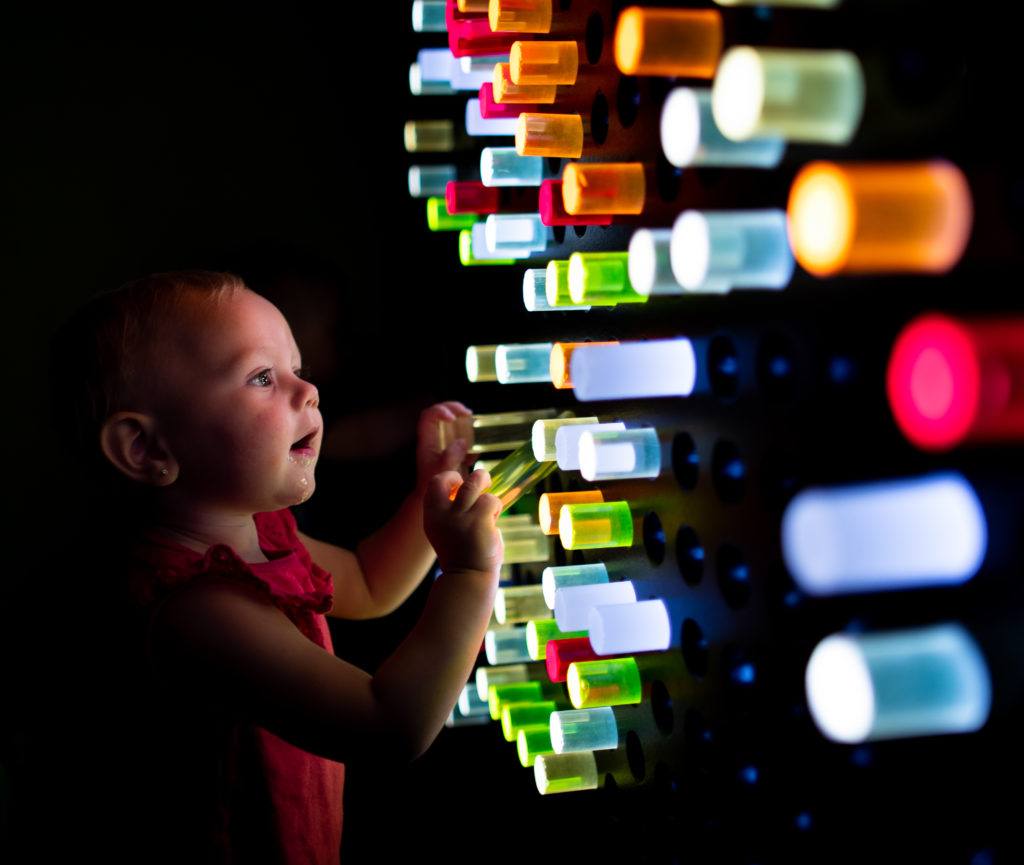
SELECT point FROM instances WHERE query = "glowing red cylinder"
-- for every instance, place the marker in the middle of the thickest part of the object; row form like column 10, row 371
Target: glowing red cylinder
column 552, row 212
column 471, row 196
column 952, row 381
column 559, row 654
column 471, row 35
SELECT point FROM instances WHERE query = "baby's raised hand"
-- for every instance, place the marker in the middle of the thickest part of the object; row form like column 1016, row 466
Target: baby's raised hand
column 462, row 530
column 430, row 457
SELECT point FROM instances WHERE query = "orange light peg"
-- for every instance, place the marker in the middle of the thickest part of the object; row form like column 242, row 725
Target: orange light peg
column 537, row 62
column 551, row 506
column 520, row 16
column 506, row 91
column 549, row 135
column 594, row 187
column 561, row 354
column 473, row 6
column 685, row 42
column 876, row 218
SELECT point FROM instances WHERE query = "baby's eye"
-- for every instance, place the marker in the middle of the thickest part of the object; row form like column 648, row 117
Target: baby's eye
column 264, row 375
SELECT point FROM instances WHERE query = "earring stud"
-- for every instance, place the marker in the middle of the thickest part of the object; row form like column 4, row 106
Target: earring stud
column 163, row 471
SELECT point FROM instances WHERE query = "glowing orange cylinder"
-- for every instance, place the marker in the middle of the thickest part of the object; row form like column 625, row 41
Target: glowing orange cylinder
column 558, row 135
column 551, row 506
column 561, row 354
column 506, row 91
column 520, row 16
column 474, row 6
column 877, row 218
column 537, row 62
column 613, row 187
column 685, row 42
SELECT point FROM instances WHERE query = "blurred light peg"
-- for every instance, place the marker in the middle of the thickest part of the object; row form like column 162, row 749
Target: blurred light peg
column 532, row 691
column 799, row 94
column 573, row 603
column 552, row 210
column 506, row 645
column 561, row 355
column 517, row 474
column 502, row 166
column 421, row 85
column 567, row 442
column 517, row 715
column 470, row 35
column 652, row 368
column 607, row 682
column 566, row 773
column 561, row 654
column 540, row 632
column 600, row 728
column 561, row 576
column 543, row 433
column 551, row 506
column 552, row 135
column 607, row 455
column 471, row 196
column 601, row 279
column 522, row 363
column 596, row 526
column 428, row 16
column 472, row 253
column 878, row 218
column 507, row 92
column 456, row 719
column 480, row 363
column 544, row 62
column 533, row 742
column 477, row 126
column 470, row 702
column 501, row 675
column 518, row 234
column 689, row 136
column 535, row 297
column 669, row 42
column 952, row 381
column 439, row 219
column 650, row 262
column 603, row 188
column 429, row 136
column 474, row 7
column 715, row 252
column 471, row 73
column 644, row 626
column 428, row 180
column 514, row 604
column 520, row 16
column 480, row 243
column 524, row 544
column 490, row 109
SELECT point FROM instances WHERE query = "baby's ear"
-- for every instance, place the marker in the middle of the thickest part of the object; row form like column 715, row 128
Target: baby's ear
column 128, row 440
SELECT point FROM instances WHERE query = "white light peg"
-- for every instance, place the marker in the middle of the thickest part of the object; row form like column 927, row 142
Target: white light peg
column 567, row 442
column 554, row 578
column 543, row 433
column 516, row 234
column 523, row 363
column 506, row 645
column 487, row 676
column 428, row 16
column 565, row 773
column 471, row 75
column 514, row 604
column 889, row 685
column 646, row 626
column 657, row 367
column 902, row 534
column 716, row 251
column 689, row 136
column 650, row 262
column 479, row 125
column 584, row 730
column 480, row 363
column 502, row 166
column 430, row 180
column 535, row 297
column 470, row 703
column 480, row 249
column 421, row 86
column 434, row 70
column 573, row 603
column 482, row 63
column 620, row 454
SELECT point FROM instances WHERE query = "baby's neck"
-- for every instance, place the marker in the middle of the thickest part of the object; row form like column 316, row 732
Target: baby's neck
column 200, row 531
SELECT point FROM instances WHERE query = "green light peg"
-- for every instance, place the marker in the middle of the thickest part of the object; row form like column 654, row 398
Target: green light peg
column 439, row 219
column 596, row 525
column 467, row 256
column 611, row 682
column 533, row 741
column 601, row 279
column 517, row 474
column 512, row 692
column 517, row 715
column 540, row 632
column 487, row 676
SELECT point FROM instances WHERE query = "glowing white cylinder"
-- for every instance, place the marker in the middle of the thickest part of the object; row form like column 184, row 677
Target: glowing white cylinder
column 476, row 124
column 470, row 703
column 428, row 16
column 520, row 604
column 480, row 249
column 506, row 645
column 644, row 626
column 565, row 773
column 535, row 297
column 543, row 433
column 584, row 730
column 885, row 535
column 718, row 251
column 470, row 76
column 554, row 578
column 619, row 454
column 573, row 603
column 419, row 85
column 502, row 166
column 657, row 367
column 650, row 262
column 690, row 136
column 527, row 362
column 889, row 685
column 516, row 234
column 430, row 180
column 487, row 676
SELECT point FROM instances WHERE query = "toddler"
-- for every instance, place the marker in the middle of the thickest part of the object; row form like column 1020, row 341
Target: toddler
column 199, row 424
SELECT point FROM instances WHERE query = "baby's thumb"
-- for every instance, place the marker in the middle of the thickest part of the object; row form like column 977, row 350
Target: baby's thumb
column 454, row 454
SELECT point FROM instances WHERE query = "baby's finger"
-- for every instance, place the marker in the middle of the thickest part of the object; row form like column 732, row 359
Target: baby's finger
column 438, row 492
column 470, row 490
column 457, row 407
column 489, row 504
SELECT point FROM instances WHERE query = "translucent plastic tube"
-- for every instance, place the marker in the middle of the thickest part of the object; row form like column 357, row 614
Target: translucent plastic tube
column 554, row 135
column 532, row 742
column 487, row 676
column 565, row 773
column 644, row 626
column 525, row 362
column 584, row 730
column 516, row 234
column 552, row 208
column 601, row 279
column 561, row 358
column 506, row 646
column 428, row 180
column 551, row 506
column 798, row 94
column 520, row 604
column 500, row 431
column 428, row 16
column 507, row 92
column 596, row 526
column 690, row 136
column 514, row 716
column 419, row 85
column 429, row 136
column 650, row 262
column 517, row 474
column 520, row 16
column 540, row 632
column 534, row 290
column 543, row 433
column 480, row 363
column 897, row 534
column 470, row 73
column 524, row 544
column 920, row 682
column 470, row 702
column 538, row 61
column 716, row 252
column 603, row 188
column 498, row 696
column 573, row 603
column 439, row 219
column 562, row 654
column 561, row 577
column 479, row 249
column 611, row 682
column 670, row 42
column 491, row 109
column 567, row 442
column 477, row 125
column 502, row 166
column 640, row 370
column 608, row 455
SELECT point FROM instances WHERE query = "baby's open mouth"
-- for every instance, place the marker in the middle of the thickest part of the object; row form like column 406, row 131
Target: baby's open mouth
column 305, row 442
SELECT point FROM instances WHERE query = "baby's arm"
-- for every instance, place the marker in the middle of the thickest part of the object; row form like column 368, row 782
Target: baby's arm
column 231, row 646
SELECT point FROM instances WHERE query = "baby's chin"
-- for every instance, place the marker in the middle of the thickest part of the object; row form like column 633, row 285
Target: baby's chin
column 304, row 488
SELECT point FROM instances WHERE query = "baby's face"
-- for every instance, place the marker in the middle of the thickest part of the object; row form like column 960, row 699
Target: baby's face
column 235, row 410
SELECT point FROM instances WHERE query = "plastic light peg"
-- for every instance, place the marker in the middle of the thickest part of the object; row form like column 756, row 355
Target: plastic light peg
column 896, row 534
column 524, row 544
column 801, row 95
column 609, row 455
column 561, row 377
column 480, row 363
column 439, row 219
column 473, row 248
column 556, row 283
column 429, row 136
column 543, row 433
column 951, row 381
column 457, row 719
column 470, row 702
column 420, row 85
column 472, row 35
column 428, row 16
column 535, row 291
column 487, row 676
column 517, row 474
column 483, row 248
column 517, row 234
column 520, row 16
column 556, row 135
column 645, row 626
column 471, row 196
column 573, row 603
column 601, row 728
column 876, row 218
column 715, row 252
column 565, row 773
column 474, row 7
column 551, row 506
column 507, row 92
column 542, row 62
column 670, row 42
column 603, row 188
column 920, row 682
column 563, row 576
column 532, row 742
column 561, row 654
column 610, row 682
column 470, row 73
column 428, row 180
column 596, row 526
column 552, row 209
column 435, row 65
column 490, row 109
column 523, row 362
column 650, row 262
column 477, row 125
column 567, row 443
column 601, row 279
column 506, row 645
column 540, row 632
column 532, row 691
column 500, row 431
column 502, row 166
column 520, row 604
column 690, row 136
column 640, row 370
column 516, row 715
